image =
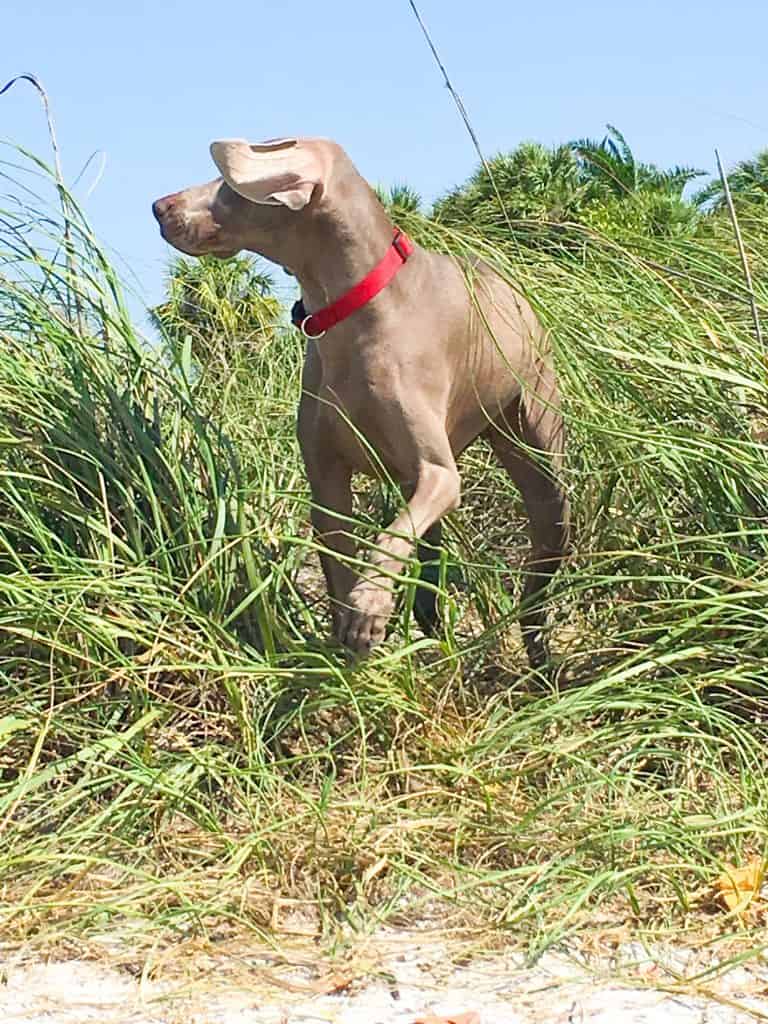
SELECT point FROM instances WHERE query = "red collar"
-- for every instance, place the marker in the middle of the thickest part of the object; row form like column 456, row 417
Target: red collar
column 314, row 325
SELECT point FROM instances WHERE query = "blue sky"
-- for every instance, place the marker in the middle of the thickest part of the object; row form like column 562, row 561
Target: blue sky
column 150, row 84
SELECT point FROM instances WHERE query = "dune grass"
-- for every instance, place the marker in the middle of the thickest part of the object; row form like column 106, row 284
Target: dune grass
column 182, row 749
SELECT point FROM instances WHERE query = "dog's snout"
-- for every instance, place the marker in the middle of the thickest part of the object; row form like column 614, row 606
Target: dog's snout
column 161, row 206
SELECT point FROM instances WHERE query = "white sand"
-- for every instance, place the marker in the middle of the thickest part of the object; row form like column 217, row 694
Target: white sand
column 408, row 975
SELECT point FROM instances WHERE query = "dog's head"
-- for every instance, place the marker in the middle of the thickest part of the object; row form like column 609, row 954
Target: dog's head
column 264, row 187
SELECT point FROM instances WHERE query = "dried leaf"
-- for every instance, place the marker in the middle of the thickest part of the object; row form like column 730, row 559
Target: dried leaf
column 457, row 1018
column 738, row 888
column 334, row 984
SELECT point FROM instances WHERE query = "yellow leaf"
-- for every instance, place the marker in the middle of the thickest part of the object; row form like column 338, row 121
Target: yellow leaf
column 737, row 888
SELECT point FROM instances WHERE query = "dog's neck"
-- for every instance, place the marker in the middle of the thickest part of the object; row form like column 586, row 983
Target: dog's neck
column 346, row 241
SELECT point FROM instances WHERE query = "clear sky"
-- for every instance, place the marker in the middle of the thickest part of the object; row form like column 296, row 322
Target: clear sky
column 151, row 83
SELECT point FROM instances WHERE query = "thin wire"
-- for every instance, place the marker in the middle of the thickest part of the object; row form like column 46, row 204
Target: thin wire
column 463, row 111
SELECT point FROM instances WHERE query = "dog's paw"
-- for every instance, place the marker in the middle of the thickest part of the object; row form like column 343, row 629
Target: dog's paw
column 363, row 623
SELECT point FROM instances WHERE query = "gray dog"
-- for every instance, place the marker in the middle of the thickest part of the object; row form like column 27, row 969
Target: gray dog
column 405, row 366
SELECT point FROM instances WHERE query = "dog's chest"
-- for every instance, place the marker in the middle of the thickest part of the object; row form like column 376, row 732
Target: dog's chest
column 360, row 420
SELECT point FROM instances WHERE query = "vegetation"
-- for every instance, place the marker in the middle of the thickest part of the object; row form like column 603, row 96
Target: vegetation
column 599, row 184
column 532, row 183
column 748, row 183
column 180, row 746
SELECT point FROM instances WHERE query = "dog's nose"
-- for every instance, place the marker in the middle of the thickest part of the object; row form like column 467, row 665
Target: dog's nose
column 161, row 206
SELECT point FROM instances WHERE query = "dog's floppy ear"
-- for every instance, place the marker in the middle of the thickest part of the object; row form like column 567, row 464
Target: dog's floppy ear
column 281, row 172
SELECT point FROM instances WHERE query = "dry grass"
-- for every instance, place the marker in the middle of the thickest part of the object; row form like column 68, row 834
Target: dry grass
column 182, row 753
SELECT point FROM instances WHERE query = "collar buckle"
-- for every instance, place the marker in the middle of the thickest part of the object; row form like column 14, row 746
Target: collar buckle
column 303, row 328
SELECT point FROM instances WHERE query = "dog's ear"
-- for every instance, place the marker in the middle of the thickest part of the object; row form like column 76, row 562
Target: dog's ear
column 280, row 172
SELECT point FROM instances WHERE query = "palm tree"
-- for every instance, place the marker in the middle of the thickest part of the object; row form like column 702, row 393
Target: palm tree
column 611, row 165
column 400, row 199
column 532, row 183
column 223, row 307
column 748, row 183
column 632, row 198
column 539, row 191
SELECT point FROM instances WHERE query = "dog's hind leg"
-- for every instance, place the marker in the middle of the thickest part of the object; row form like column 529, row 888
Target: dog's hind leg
column 528, row 440
column 428, row 553
column 425, row 601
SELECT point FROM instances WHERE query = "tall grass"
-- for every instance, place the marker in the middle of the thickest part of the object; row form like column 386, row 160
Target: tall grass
column 180, row 746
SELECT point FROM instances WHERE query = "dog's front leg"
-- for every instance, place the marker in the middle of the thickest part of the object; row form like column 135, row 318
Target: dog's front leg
column 437, row 491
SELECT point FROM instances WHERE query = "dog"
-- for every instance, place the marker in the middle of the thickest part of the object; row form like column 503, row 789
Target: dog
column 410, row 357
